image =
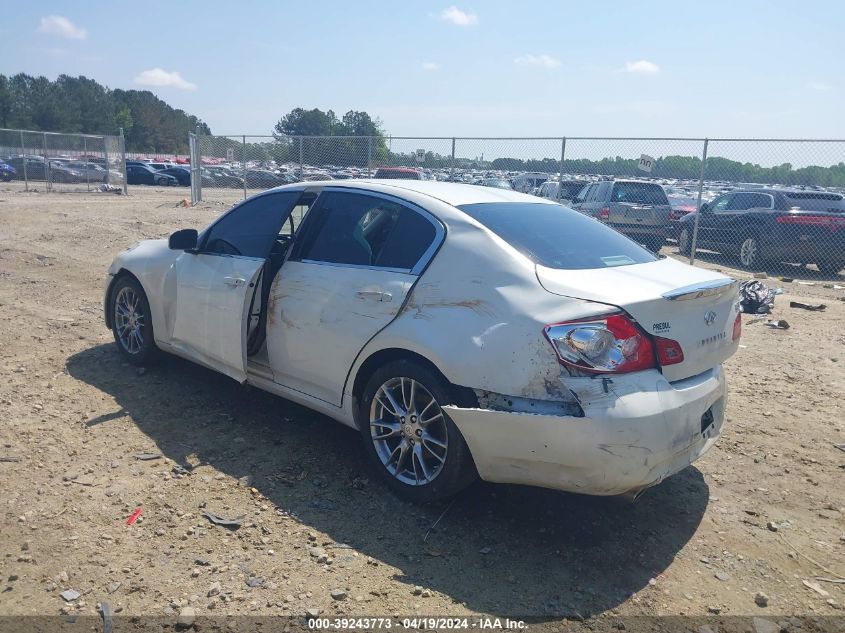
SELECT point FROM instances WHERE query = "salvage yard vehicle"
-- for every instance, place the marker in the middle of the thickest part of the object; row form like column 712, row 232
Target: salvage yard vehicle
column 137, row 174
column 637, row 208
column 464, row 331
column 766, row 226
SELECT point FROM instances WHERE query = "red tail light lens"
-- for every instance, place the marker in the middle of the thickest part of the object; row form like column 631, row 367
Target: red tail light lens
column 604, row 214
column 831, row 222
column 737, row 326
column 669, row 352
column 604, row 344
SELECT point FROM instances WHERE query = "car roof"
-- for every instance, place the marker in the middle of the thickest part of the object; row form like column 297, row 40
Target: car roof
column 454, row 194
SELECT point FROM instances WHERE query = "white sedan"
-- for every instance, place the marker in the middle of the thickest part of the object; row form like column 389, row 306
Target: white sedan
column 464, row 331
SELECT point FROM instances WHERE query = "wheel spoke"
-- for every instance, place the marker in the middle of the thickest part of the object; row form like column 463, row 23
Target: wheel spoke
column 412, row 396
column 418, row 454
column 428, row 421
column 428, row 437
column 396, row 410
column 436, row 456
column 393, row 429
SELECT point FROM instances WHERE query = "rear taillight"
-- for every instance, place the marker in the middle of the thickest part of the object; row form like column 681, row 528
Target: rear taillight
column 737, row 327
column 604, row 214
column 608, row 343
column 669, row 352
column 812, row 220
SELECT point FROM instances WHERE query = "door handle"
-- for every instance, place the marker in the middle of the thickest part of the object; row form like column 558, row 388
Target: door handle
column 375, row 294
column 234, row 281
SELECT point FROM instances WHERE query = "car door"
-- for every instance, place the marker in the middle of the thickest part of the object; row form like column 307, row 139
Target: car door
column 215, row 286
column 708, row 221
column 356, row 258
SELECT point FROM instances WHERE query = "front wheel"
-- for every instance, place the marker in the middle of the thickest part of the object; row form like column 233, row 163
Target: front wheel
column 408, row 437
column 132, row 324
column 751, row 252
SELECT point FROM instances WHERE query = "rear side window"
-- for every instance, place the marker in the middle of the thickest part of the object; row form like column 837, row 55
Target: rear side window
column 571, row 189
column 362, row 230
column 557, row 237
column 638, row 193
column 745, row 201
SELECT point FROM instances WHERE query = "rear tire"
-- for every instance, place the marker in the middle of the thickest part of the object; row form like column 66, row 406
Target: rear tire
column 410, row 441
column 132, row 324
column 751, row 252
column 830, row 268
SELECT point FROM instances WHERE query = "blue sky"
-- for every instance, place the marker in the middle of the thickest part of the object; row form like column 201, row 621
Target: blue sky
column 491, row 68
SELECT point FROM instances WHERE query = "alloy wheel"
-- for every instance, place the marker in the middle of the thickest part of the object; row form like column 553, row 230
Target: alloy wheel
column 749, row 251
column 129, row 320
column 408, row 430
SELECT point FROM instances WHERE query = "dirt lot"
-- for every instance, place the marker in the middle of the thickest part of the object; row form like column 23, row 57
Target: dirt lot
column 762, row 512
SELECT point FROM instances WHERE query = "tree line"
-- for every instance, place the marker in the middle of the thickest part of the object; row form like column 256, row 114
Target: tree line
column 78, row 104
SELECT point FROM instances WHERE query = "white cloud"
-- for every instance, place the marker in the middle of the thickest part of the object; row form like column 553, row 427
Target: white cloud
column 161, row 78
column 820, row 86
column 642, row 67
column 543, row 61
column 61, row 26
column 430, row 66
column 457, row 17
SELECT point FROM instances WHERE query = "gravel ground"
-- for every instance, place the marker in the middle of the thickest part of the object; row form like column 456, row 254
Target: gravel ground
column 745, row 531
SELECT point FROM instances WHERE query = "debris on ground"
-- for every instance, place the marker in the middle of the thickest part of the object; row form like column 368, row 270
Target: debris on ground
column 779, row 324
column 815, row 307
column 145, row 457
column 756, row 298
column 134, row 516
column 761, row 599
column 69, row 595
column 224, row 522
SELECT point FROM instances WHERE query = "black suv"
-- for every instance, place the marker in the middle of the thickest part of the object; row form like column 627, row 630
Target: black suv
column 636, row 208
column 771, row 225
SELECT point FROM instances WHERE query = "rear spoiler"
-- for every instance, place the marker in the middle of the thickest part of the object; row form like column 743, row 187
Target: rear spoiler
column 716, row 287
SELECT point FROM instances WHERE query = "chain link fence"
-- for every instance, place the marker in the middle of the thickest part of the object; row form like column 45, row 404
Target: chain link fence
column 762, row 205
column 63, row 162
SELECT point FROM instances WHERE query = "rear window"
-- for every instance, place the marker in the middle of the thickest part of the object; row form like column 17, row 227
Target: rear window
column 402, row 174
column 638, row 193
column 812, row 195
column 557, row 237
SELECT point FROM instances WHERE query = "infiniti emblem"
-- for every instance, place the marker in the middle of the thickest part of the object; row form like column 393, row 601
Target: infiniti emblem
column 709, row 317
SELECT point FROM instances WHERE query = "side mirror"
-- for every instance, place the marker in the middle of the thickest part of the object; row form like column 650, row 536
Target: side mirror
column 184, row 240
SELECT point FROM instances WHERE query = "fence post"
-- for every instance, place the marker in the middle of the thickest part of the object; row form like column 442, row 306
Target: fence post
column 192, row 153
column 698, row 208
column 452, row 162
column 243, row 164
column 87, row 170
column 48, row 185
column 301, row 161
column 562, row 157
column 123, row 162
column 23, row 156
column 369, row 155
column 198, row 174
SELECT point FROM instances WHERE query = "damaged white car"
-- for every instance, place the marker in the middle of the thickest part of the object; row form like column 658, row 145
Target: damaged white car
column 464, row 331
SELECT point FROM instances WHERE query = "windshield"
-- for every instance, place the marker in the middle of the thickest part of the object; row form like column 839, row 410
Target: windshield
column 638, row 193
column 558, row 237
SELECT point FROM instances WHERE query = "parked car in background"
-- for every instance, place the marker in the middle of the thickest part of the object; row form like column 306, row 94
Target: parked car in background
column 564, row 193
column 404, row 173
column 763, row 226
column 681, row 206
column 92, row 172
column 528, row 182
column 7, row 172
column 394, row 317
column 263, row 179
column 143, row 175
column 224, row 177
column 498, row 183
column 637, row 208
column 36, row 168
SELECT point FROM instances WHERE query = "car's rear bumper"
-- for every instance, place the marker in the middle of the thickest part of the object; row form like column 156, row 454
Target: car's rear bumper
column 642, row 430
column 646, row 230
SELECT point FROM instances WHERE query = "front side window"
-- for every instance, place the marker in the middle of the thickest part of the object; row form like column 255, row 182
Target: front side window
column 251, row 228
column 558, row 237
column 745, row 201
column 362, row 230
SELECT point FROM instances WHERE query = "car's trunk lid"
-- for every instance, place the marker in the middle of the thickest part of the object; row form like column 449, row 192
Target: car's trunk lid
column 695, row 307
column 644, row 214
